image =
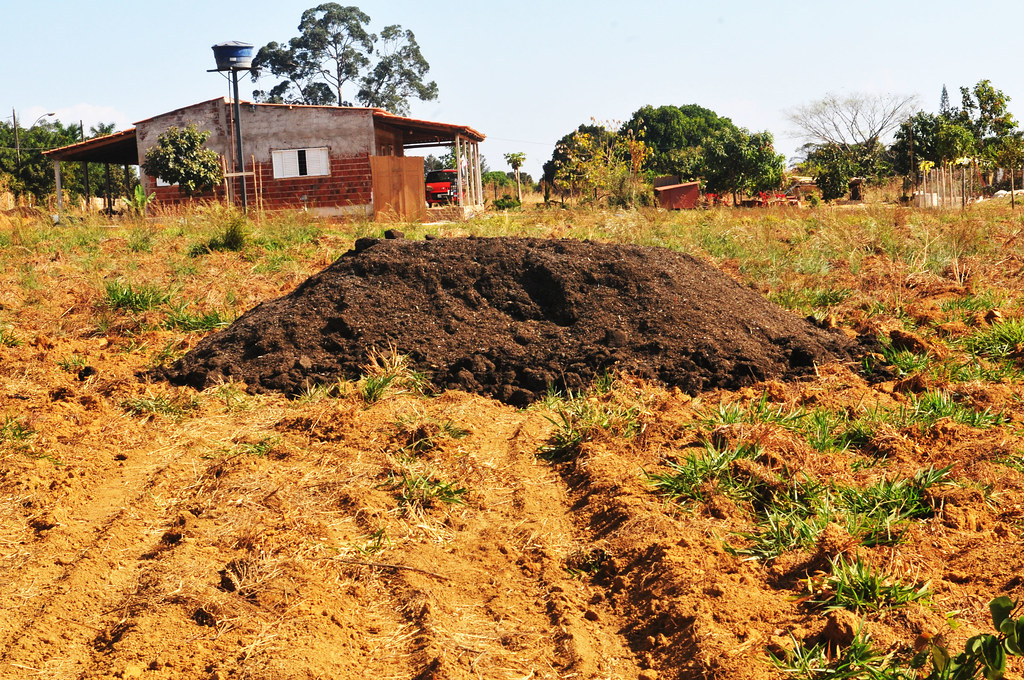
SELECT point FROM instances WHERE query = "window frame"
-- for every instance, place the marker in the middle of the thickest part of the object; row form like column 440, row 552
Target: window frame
column 315, row 161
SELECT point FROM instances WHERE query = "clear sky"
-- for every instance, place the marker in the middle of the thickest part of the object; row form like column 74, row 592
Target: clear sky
column 525, row 73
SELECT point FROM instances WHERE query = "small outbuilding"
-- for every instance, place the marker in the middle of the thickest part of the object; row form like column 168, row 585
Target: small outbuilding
column 684, row 196
column 328, row 159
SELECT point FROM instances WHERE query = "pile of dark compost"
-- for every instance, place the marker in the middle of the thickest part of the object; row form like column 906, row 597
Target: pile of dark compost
column 511, row 318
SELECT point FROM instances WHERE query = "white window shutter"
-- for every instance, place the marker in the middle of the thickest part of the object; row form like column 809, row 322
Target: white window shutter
column 286, row 162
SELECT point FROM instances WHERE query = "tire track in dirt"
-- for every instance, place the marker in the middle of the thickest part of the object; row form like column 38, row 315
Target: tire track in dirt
column 676, row 593
column 83, row 566
column 505, row 605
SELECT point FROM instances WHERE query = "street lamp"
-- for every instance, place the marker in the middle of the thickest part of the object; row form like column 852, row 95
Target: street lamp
column 17, row 140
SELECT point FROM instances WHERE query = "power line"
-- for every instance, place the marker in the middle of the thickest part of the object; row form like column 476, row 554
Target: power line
column 519, row 141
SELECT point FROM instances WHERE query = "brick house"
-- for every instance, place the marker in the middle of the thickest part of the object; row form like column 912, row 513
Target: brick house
column 329, row 159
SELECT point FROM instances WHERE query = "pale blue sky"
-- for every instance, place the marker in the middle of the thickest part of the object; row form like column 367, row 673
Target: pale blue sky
column 525, row 73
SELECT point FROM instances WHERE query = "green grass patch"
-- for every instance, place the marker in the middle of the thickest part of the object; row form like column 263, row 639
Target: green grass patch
column 858, row 661
column 129, row 297
column 999, row 341
column 14, row 430
column 974, row 303
column 859, row 587
column 181, row 318
column 874, row 515
column 388, row 372
column 174, row 407
column 810, row 300
column 688, row 479
column 929, row 407
column 72, row 363
column 418, row 491
column 579, row 418
column 8, row 338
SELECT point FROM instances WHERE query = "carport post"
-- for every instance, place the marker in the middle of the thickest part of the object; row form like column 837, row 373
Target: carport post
column 56, row 177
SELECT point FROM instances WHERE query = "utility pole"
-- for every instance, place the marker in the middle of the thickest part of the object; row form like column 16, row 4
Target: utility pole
column 240, row 168
column 17, row 142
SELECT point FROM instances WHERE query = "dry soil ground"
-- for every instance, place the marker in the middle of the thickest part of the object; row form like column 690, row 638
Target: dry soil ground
column 158, row 532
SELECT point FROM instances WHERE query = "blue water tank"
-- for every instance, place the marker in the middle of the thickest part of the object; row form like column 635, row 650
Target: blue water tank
column 233, row 55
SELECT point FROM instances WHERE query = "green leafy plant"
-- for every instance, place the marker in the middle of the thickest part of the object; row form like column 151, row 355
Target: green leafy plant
column 984, row 655
column 507, row 202
column 138, row 201
column 179, row 157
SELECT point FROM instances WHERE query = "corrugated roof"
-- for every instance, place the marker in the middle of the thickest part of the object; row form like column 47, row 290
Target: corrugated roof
column 119, row 148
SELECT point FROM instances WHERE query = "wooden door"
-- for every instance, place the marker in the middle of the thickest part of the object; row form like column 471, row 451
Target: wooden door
column 399, row 192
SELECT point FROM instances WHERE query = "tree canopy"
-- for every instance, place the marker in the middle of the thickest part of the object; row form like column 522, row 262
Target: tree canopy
column 34, row 175
column 852, row 120
column 977, row 128
column 674, row 134
column 983, row 112
column 689, row 141
column 179, row 157
column 334, row 49
column 735, row 161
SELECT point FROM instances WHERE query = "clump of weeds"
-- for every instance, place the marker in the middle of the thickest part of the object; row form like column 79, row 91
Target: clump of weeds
column 609, row 407
column 389, row 372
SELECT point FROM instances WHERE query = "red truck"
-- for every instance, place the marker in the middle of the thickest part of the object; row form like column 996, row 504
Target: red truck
column 442, row 187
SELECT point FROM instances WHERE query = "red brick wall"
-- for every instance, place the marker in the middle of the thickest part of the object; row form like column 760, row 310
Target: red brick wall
column 349, row 184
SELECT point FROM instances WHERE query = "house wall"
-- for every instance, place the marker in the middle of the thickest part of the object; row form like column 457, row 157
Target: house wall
column 389, row 142
column 347, row 133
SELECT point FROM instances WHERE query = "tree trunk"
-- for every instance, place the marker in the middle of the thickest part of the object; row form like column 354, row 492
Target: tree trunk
column 519, row 190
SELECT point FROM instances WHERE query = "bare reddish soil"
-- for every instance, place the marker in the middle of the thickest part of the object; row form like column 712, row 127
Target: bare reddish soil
column 153, row 531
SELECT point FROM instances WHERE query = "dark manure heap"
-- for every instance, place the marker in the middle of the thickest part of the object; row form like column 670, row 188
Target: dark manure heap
column 509, row 317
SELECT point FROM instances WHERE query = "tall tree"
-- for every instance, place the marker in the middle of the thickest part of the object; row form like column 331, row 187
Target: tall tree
column 944, row 108
column 675, row 134
column 1010, row 155
column 398, row 74
column 34, row 174
column 856, row 119
column 735, row 161
column 333, row 49
column 515, row 161
column 984, row 112
column 566, row 147
column 915, row 141
column 855, row 125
